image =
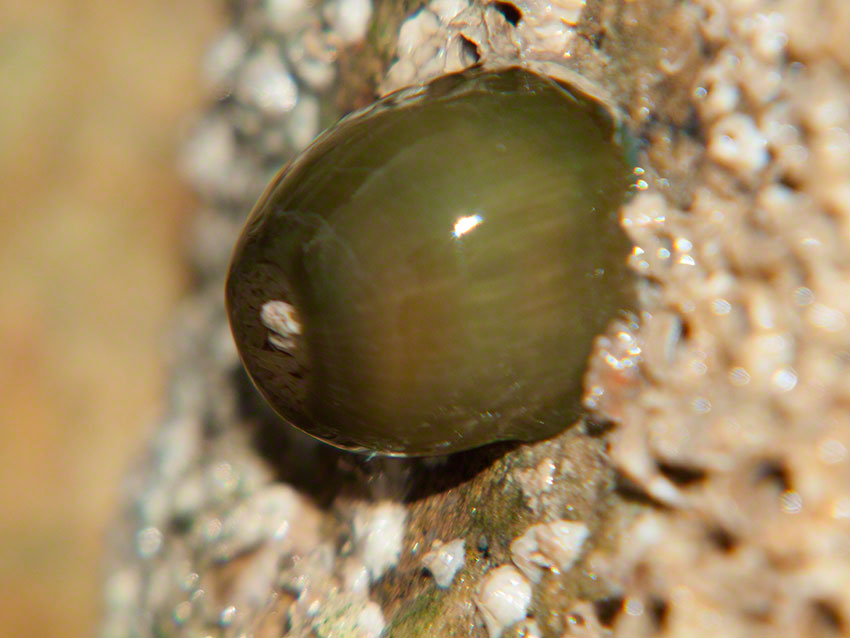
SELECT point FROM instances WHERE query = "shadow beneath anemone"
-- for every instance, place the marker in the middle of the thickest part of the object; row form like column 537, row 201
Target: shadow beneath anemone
column 436, row 475
column 310, row 466
column 325, row 472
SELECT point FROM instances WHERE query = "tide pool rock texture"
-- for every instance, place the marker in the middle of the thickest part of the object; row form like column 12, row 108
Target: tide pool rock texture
column 711, row 477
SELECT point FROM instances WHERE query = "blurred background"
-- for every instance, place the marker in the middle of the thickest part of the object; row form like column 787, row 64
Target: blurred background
column 96, row 96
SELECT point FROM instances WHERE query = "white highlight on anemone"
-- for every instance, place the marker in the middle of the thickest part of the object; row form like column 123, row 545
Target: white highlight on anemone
column 464, row 224
column 281, row 319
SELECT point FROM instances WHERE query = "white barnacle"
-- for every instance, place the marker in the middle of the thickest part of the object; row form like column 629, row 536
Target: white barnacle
column 503, row 599
column 444, row 561
column 281, row 319
column 349, row 19
column 267, row 516
column 736, row 142
column 378, row 535
column 264, row 82
column 555, row 546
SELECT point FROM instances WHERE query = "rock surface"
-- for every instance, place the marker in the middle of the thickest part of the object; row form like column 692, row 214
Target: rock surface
column 711, row 474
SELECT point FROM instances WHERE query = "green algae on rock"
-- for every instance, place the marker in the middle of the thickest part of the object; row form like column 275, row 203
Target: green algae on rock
column 428, row 276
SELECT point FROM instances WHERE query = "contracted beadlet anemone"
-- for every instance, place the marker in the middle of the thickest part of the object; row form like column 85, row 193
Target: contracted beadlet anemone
column 428, row 276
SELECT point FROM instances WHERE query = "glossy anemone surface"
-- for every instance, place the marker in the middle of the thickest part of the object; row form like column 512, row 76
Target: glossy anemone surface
column 429, row 275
